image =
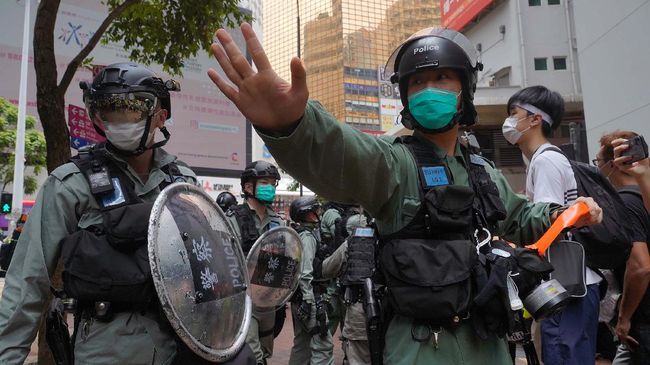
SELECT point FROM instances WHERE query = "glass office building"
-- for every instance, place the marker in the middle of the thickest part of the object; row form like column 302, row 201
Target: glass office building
column 344, row 45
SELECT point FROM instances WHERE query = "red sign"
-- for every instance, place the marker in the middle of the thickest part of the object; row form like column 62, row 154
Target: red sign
column 81, row 126
column 456, row 14
column 373, row 132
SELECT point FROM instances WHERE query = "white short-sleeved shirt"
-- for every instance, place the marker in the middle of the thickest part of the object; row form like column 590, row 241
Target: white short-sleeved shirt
column 550, row 179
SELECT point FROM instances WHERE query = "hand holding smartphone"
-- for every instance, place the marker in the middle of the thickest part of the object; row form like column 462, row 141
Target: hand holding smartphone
column 637, row 150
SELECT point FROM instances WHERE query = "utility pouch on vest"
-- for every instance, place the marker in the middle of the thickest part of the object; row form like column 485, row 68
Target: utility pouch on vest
column 449, row 208
column 90, row 273
column 493, row 208
column 429, row 279
column 127, row 226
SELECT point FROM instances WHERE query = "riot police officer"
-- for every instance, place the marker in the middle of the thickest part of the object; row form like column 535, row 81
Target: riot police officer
column 225, row 200
column 250, row 219
column 334, row 231
column 416, row 188
column 312, row 341
column 76, row 217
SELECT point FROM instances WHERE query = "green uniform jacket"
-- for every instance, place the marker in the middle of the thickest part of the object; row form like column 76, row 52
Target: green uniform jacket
column 328, row 222
column 346, row 165
column 65, row 205
column 309, row 247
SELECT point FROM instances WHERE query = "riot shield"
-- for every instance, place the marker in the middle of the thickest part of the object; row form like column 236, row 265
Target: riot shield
column 199, row 272
column 274, row 267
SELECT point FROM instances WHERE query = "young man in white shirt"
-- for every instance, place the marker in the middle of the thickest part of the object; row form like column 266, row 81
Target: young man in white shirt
column 534, row 112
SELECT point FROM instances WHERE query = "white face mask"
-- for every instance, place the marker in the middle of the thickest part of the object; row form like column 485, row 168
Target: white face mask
column 126, row 136
column 510, row 132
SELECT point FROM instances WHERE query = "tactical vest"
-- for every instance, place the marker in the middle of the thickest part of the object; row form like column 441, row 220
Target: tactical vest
column 247, row 228
column 429, row 264
column 109, row 262
column 329, row 244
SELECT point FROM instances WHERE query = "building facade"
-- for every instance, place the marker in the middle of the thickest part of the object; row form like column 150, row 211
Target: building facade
column 614, row 54
column 344, row 44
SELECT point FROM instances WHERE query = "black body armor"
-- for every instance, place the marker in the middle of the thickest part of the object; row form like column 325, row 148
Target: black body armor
column 109, row 262
column 431, row 265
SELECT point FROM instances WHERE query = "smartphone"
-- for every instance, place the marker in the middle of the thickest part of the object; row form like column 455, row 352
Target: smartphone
column 638, row 149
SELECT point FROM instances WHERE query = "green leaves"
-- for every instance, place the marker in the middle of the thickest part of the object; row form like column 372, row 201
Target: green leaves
column 169, row 31
column 35, row 147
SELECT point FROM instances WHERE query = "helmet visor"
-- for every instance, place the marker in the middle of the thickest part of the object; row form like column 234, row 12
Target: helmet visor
column 121, row 108
column 446, row 33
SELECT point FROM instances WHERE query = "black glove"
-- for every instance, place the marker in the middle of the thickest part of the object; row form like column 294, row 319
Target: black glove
column 321, row 318
column 304, row 311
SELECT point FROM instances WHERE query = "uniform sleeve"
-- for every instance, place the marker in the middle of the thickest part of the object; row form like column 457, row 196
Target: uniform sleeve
column 525, row 221
column 53, row 217
column 328, row 222
column 548, row 181
column 334, row 264
column 337, row 161
column 309, row 246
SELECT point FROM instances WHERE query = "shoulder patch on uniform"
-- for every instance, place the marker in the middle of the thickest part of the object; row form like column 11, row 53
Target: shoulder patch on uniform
column 65, row 170
column 389, row 139
column 480, row 160
column 186, row 171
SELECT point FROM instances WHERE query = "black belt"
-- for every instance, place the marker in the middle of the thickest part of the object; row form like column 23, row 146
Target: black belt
column 104, row 310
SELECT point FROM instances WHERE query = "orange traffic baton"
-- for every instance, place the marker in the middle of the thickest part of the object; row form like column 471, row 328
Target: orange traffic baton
column 566, row 220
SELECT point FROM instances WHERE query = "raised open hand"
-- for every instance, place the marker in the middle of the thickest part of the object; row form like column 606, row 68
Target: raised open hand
column 268, row 101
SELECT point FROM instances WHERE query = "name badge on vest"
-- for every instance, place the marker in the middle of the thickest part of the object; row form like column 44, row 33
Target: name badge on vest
column 434, row 176
column 274, row 224
column 116, row 197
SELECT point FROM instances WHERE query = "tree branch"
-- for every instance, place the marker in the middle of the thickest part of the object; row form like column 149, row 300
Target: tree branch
column 74, row 64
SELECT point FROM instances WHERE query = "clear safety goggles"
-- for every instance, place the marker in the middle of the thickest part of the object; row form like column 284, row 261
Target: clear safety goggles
column 129, row 107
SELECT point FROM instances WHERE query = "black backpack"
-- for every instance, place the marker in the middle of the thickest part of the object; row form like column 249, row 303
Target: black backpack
column 608, row 244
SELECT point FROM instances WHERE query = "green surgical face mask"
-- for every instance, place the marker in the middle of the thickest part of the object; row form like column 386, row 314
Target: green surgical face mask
column 265, row 193
column 433, row 108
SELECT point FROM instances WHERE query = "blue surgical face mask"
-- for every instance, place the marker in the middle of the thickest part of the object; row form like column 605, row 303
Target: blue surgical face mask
column 265, row 193
column 433, row 108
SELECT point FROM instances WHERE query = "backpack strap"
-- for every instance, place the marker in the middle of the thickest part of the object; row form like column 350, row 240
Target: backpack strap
column 631, row 191
column 554, row 149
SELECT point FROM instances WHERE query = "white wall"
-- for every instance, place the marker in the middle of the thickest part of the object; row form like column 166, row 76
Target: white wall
column 614, row 55
column 498, row 51
column 545, row 34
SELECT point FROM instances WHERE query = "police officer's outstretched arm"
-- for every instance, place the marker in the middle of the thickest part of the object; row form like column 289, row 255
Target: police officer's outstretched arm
column 27, row 283
column 331, row 158
column 268, row 101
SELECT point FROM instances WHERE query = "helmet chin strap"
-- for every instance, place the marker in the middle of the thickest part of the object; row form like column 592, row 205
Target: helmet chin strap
column 143, row 141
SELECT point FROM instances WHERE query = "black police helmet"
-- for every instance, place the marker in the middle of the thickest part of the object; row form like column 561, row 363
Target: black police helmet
column 127, row 77
column 433, row 48
column 129, row 85
column 259, row 169
column 225, row 200
column 301, row 206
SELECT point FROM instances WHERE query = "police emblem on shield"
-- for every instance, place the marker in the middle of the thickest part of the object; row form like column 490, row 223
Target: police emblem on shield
column 199, row 272
column 274, row 267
